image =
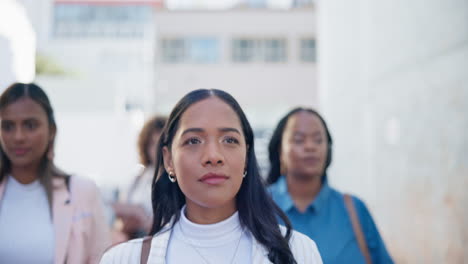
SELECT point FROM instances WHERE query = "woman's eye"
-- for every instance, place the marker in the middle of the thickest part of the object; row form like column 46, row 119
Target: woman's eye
column 192, row 141
column 6, row 126
column 231, row 140
column 30, row 125
column 298, row 140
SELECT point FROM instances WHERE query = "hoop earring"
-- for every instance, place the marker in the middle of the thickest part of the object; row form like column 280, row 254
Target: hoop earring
column 171, row 176
column 244, row 174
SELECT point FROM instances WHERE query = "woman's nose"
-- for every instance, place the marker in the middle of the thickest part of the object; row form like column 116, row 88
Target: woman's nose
column 212, row 155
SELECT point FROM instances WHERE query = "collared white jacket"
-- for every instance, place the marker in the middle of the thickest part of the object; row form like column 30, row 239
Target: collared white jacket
column 302, row 247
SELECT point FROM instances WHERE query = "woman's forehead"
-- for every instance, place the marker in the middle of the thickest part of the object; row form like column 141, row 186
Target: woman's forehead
column 23, row 108
column 210, row 112
column 305, row 122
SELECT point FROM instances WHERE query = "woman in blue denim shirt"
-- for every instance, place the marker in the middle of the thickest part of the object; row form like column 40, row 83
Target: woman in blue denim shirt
column 300, row 152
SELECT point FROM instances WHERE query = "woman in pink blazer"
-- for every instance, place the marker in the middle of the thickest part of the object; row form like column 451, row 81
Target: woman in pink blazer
column 46, row 216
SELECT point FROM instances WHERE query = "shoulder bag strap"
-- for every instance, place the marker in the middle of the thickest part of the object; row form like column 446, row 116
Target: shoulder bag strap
column 357, row 227
column 145, row 249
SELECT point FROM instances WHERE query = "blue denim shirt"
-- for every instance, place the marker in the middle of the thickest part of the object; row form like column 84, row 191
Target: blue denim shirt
column 326, row 221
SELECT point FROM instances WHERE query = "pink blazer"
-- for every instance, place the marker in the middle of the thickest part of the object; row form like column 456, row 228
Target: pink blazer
column 81, row 230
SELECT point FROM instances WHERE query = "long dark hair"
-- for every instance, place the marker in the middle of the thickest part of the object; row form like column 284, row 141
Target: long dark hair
column 47, row 169
column 257, row 211
column 274, row 147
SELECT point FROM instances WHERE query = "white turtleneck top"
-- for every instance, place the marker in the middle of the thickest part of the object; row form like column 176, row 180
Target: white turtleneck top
column 26, row 228
column 222, row 242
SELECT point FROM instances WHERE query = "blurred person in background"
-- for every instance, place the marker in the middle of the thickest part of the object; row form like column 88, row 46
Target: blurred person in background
column 300, row 151
column 136, row 212
column 210, row 204
column 46, row 215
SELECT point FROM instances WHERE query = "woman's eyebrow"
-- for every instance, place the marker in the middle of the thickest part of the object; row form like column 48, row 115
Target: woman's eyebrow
column 229, row 129
column 193, row 129
column 199, row 130
column 299, row 133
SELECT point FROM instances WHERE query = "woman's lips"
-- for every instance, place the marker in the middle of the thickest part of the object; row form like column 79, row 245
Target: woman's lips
column 20, row 151
column 213, row 178
column 311, row 160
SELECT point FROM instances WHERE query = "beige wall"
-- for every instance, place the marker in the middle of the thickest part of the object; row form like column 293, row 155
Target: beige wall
column 394, row 87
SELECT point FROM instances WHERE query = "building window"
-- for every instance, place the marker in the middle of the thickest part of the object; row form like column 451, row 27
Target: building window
column 190, row 50
column 302, row 3
column 173, row 50
column 274, row 50
column 270, row 50
column 244, row 50
column 101, row 21
column 308, row 50
column 203, row 50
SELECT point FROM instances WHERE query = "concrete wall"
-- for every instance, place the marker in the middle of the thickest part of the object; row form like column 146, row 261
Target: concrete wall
column 394, row 89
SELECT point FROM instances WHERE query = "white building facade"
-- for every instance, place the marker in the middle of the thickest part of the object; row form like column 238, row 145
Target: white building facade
column 265, row 58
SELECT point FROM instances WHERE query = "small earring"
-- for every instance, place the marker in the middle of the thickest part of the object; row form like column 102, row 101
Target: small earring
column 244, row 174
column 171, row 176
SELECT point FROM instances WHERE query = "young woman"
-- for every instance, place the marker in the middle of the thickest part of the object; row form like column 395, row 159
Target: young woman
column 209, row 202
column 137, row 212
column 300, row 152
column 46, row 216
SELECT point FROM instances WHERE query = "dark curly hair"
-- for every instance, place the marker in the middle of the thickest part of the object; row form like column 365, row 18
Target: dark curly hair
column 155, row 124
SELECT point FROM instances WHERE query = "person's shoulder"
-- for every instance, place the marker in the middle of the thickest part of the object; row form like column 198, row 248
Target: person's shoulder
column 82, row 183
column 359, row 203
column 276, row 189
column 303, row 247
column 361, row 208
column 83, row 190
column 299, row 239
column 130, row 251
column 126, row 252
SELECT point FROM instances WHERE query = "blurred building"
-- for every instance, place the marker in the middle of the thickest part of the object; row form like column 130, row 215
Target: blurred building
column 108, row 64
column 99, row 48
column 96, row 61
column 266, row 58
column 17, row 44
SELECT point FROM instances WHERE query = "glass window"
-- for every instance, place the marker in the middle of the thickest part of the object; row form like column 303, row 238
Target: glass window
column 244, row 50
column 204, row 50
column 189, row 50
column 268, row 50
column 173, row 50
column 275, row 50
column 107, row 21
column 308, row 50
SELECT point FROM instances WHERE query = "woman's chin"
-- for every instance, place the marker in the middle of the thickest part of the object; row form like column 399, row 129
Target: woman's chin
column 308, row 176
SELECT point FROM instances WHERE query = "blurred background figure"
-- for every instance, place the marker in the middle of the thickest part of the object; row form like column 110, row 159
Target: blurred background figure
column 46, row 215
column 136, row 212
column 300, row 153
